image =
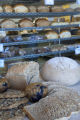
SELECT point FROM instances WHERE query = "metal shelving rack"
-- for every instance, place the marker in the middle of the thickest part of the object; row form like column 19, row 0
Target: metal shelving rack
column 22, row 15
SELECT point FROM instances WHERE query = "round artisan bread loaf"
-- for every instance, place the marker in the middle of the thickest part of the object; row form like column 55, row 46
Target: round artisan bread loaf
column 40, row 22
column 51, row 35
column 57, row 9
column 8, row 23
column 65, row 34
column 8, row 8
column 23, row 73
column 43, row 9
column 61, row 69
column 32, row 9
column 20, row 8
column 26, row 23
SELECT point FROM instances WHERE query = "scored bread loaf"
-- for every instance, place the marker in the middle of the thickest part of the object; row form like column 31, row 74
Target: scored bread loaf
column 57, row 9
column 65, row 34
column 8, row 23
column 22, row 74
column 43, row 9
column 20, row 8
column 26, row 23
column 1, row 9
column 32, row 9
column 61, row 69
column 8, row 8
column 51, row 35
column 40, row 22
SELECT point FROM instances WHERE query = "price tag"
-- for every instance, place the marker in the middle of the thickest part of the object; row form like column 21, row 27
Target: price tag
column 49, row 2
column 2, row 63
column 2, row 33
column 77, row 51
column 78, row 1
column 1, row 48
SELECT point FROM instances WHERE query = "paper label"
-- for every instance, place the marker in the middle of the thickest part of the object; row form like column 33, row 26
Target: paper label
column 49, row 2
column 77, row 51
column 2, row 63
column 1, row 48
column 78, row 1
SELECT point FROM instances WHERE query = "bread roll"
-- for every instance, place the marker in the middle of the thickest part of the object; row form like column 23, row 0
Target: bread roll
column 65, row 34
column 8, row 23
column 69, row 10
column 43, row 9
column 32, row 9
column 57, row 9
column 20, row 8
column 22, row 74
column 51, row 35
column 41, row 22
column 26, row 23
column 8, row 8
column 1, row 9
column 61, row 69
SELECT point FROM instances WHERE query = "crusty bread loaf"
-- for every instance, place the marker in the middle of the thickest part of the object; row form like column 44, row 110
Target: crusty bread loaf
column 69, row 10
column 51, row 35
column 43, row 9
column 40, row 22
column 57, row 9
column 8, row 8
column 61, row 69
column 8, row 23
column 1, row 9
column 77, row 9
column 26, row 23
column 22, row 74
column 65, row 34
column 20, row 8
column 32, row 9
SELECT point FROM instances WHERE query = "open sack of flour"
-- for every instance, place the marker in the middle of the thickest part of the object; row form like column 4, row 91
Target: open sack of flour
column 23, row 73
column 61, row 69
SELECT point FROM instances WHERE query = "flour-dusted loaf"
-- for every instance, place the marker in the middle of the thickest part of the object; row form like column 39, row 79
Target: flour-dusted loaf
column 22, row 74
column 8, row 8
column 43, row 9
column 40, row 22
column 1, row 9
column 20, row 8
column 32, row 9
column 51, row 35
column 65, row 34
column 8, row 23
column 57, row 9
column 61, row 69
column 26, row 23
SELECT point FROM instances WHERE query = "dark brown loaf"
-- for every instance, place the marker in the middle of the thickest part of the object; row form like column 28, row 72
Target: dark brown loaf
column 26, row 23
column 43, row 9
column 8, row 23
column 40, row 22
column 8, row 8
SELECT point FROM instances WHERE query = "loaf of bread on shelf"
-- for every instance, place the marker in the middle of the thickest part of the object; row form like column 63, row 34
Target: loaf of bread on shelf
column 69, row 10
column 20, row 8
column 57, row 9
column 77, row 9
column 32, row 9
column 22, row 74
column 51, row 35
column 65, row 34
column 26, row 23
column 61, row 69
column 40, row 22
column 8, row 8
column 8, row 23
column 1, row 9
column 43, row 9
